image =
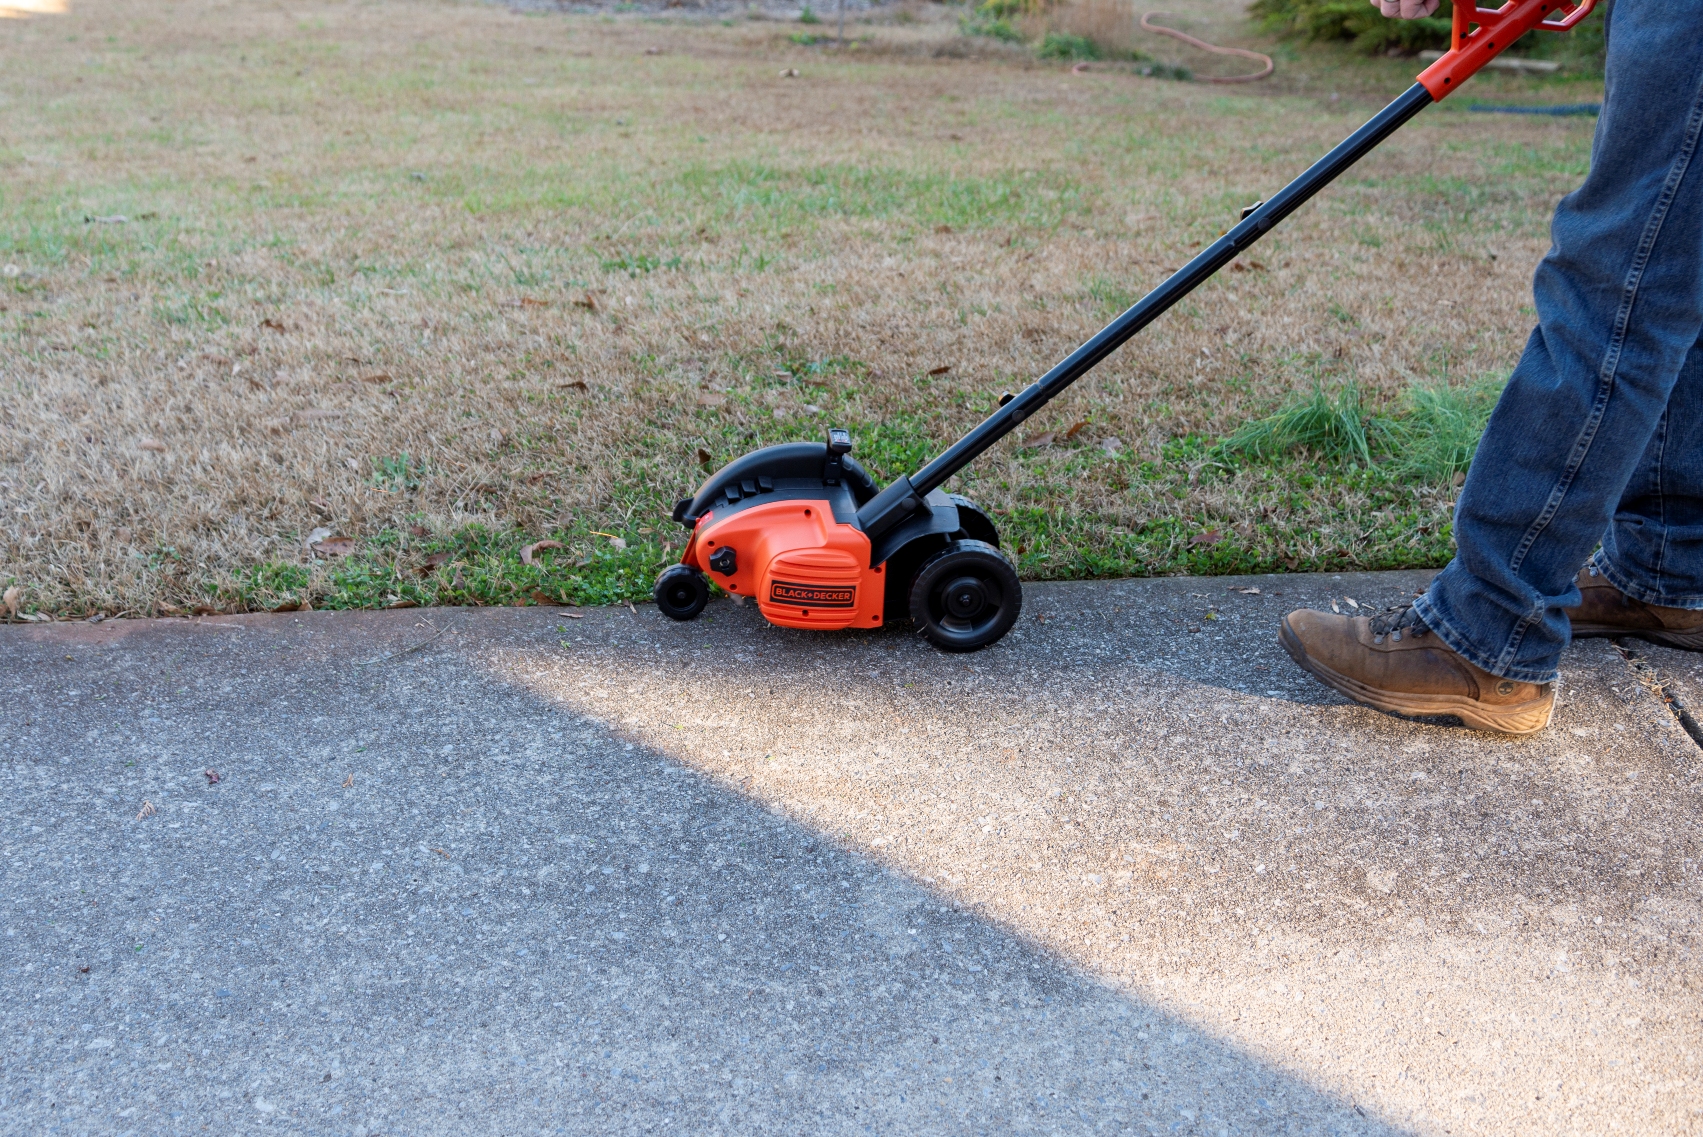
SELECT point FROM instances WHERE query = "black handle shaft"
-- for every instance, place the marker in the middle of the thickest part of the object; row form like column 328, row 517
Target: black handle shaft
column 1182, row 282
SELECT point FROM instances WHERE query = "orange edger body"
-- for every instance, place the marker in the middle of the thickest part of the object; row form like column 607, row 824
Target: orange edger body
column 805, row 531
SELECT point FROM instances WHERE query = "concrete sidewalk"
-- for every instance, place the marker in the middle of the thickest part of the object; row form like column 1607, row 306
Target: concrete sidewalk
column 1129, row 870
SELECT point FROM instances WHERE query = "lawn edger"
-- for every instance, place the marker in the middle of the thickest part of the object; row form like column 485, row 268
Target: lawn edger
column 805, row 530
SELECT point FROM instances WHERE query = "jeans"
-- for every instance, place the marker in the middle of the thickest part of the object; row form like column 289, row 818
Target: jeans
column 1598, row 436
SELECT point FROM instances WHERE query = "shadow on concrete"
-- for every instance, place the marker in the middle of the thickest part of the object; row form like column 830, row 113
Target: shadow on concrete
column 420, row 898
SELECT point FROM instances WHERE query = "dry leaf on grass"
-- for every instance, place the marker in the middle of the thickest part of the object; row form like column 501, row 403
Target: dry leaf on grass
column 379, row 377
column 941, row 370
column 704, row 458
column 352, row 464
column 529, row 302
column 336, row 545
column 618, row 542
column 789, row 73
column 711, row 399
column 527, row 552
column 574, row 615
column 588, row 301
column 419, row 531
column 942, row 229
column 1112, row 445
column 1075, row 430
column 1038, row 441
column 433, row 562
column 153, row 444
column 12, row 598
column 576, row 385
column 273, row 325
column 403, row 604
column 1210, row 537
column 534, row 479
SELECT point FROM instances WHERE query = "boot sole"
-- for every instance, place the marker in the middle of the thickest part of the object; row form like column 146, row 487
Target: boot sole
column 1525, row 718
column 1684, row 641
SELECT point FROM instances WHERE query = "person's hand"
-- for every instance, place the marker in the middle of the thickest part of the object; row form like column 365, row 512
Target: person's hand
column 1406, row 9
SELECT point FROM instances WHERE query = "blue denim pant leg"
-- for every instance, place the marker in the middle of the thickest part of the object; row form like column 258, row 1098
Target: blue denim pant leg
column 1594, row 425
column 1653, row 550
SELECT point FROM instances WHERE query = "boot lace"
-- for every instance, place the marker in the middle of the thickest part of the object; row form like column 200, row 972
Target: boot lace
column 1394, row 622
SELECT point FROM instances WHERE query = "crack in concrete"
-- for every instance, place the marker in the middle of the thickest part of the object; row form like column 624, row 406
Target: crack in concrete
column 1650, row 679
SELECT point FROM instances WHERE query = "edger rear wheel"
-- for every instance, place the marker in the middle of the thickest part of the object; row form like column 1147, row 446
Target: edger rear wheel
column 966, row 596
column 681, row 592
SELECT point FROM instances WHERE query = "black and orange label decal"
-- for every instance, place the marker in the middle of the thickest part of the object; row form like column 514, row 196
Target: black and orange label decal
column 813, row 595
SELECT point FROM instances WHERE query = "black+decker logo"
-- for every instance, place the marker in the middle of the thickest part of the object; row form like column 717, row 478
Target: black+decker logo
column 812, row 595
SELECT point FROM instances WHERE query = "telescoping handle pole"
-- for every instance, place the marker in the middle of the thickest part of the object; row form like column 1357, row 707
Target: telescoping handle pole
column 1479, row 36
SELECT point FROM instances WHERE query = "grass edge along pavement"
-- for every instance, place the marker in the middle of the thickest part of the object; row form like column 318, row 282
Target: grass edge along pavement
column 1338, row 487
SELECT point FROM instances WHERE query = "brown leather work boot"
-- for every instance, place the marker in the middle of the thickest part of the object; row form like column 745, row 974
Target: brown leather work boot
column 1607, row 611
column 1394, row 663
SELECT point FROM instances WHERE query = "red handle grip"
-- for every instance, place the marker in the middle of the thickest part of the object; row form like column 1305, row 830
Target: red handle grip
column 1496, row 30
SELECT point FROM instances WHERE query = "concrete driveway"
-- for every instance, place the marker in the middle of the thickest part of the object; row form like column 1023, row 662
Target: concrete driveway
column 512, row 871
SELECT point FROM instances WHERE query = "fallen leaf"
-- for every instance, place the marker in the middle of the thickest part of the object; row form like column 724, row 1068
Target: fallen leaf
column 1113, row 445
column 349, row 782
column 527, row 552
column 529, row 302
column 1352, row 603
column 534, row 479
column 445, row 856
column 433, row 562
column 943, row 228
column 352, row 464
column 147, row 810
column 711, row 399
column 574, row 615
column 273, row 325
column 543, row 597
column 323, row 508
column 318, row 534
column 576, row 385
column 588, row 301
column 789, row 73
column 1245, row 591
column 1037, row 441
column 377, row 377
column 336, row 545
column 1210, row 537
column 212, row 777
column 632, row 609
column 153, row 444
column 419, row 531
column 618, row 542
column 10, row 600
column 941, row 370
column 704, row 458
column 403, row 604
column 1075, row 430
column 1334, row 608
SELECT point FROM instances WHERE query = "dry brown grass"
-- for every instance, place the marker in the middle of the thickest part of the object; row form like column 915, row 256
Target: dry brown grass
column 356, row 231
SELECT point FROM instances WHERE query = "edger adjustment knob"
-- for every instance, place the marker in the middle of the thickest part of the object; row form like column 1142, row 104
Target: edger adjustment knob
column 725, row 561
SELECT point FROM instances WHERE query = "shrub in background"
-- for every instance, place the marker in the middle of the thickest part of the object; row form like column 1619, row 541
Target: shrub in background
column 1359, row 23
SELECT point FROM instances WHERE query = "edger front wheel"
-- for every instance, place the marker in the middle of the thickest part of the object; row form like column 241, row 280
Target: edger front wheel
column 966, row 596
column 681, row 592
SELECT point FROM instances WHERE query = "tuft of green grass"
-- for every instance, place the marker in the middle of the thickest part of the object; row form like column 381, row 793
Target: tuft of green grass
column 1437, row 434
column 808, row 16
column 1332, row 426
column 1431, row 436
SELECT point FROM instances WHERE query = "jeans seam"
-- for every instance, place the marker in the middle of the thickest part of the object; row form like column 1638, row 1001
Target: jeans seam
column 1661, row 441
column 1610, row 366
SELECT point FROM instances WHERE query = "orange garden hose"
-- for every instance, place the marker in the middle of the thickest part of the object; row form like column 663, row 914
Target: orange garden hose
column 1149, row 26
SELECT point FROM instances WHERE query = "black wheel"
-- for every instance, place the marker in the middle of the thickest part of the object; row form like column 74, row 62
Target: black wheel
column 973, row 524
column 681, row 592
column 966, row 596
